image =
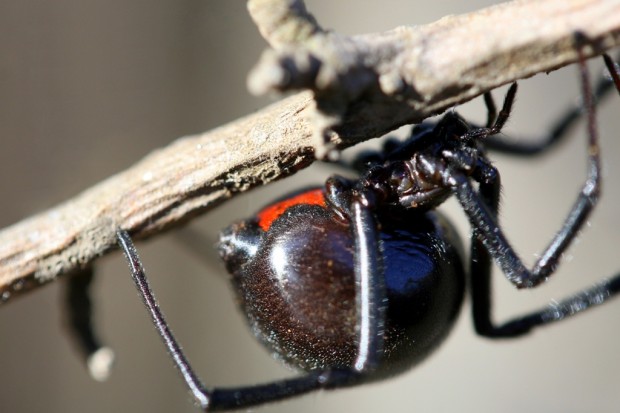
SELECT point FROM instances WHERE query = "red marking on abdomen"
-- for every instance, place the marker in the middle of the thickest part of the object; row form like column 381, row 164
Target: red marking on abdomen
column 273, row 212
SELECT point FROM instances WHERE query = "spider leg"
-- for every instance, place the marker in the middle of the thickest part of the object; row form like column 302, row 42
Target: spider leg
column 483, row 219
column 79, row 310
column 197, row 389
column 371, row 318
column 614, row 70
column 561, row 126
column 557, row 310
column 491, row 109
column 480, row 284
column 371, row 296
column 500, row 120
column 493, row 239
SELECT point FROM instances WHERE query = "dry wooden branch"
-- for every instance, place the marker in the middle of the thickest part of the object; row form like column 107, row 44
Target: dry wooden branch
column 365, row 86
column 411, row 72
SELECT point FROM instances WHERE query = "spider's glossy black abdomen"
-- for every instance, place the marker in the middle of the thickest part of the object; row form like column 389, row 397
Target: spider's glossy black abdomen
column 296, row 285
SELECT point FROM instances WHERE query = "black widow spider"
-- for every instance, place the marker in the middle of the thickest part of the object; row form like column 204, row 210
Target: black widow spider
column 363, row 279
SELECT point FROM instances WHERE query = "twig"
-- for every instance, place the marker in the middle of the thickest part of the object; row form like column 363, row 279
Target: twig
column 364, row 86
column 408, row 73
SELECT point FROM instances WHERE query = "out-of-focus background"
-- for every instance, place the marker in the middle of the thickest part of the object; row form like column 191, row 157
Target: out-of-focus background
column 88, row 88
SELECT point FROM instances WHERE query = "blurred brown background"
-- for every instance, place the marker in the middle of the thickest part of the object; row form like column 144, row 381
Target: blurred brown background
column 89, row 87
